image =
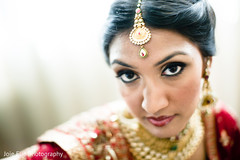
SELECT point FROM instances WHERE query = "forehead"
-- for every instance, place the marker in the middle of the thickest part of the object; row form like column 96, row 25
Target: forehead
column 162, row 43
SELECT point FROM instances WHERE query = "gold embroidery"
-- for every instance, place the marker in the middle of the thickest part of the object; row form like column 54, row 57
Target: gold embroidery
column 111, row 152
column 86, row 140
column 224, row 138
column 103, row 140
column 211, row 142
column 77, row 153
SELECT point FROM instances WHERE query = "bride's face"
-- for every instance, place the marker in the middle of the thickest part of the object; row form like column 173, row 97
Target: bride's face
column 161, row 90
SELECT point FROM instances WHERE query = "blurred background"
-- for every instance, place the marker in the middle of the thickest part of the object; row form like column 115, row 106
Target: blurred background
column 52, row 66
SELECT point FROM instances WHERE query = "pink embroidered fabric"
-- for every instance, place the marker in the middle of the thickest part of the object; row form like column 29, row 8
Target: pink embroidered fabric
column 49, row 151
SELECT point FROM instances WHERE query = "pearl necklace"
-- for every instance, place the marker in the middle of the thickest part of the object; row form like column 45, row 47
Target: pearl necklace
column 145, row 146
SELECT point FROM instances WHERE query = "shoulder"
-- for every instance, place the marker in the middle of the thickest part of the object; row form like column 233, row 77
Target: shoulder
column 91, row 134
column 225, row 118
column 227, row 130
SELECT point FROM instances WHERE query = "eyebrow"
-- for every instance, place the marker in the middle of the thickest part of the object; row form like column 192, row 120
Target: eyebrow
column 169, row 57
column 158, row 63
column 121, row 63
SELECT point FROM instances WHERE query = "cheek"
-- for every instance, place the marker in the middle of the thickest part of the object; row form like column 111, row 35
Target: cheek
column 188, row 93
column 132, row 97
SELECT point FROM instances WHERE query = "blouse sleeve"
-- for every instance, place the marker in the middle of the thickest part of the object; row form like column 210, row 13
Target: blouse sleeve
column 45, row 151
column 228, row 135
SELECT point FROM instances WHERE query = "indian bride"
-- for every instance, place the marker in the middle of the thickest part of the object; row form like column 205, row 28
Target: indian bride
column 161, row 52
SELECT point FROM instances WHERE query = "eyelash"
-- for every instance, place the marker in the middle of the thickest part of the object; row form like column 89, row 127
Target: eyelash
column 125, row 72
column 121, row 73
column 174, row 64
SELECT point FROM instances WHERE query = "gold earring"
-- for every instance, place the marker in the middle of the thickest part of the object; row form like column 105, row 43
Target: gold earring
column 207, row 101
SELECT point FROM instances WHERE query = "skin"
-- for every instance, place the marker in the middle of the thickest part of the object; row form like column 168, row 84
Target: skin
column 157, row 85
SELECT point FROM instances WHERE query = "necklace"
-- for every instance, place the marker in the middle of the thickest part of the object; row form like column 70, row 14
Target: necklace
column 145, row 146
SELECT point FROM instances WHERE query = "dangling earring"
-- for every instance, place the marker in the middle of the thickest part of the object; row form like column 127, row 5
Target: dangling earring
column 207, row 101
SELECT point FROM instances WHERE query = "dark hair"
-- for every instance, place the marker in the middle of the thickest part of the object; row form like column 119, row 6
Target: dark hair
column 195, row 19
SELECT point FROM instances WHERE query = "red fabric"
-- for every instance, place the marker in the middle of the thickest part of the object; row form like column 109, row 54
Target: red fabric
column 51, row 151
column 228, row 136
column 228, row 140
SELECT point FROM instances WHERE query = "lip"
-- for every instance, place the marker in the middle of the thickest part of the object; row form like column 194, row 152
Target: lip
column 160, row 121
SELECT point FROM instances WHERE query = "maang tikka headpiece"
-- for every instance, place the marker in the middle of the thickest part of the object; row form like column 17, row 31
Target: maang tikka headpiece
column 140, row 34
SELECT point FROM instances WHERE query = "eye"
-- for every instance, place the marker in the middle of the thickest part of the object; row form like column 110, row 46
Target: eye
column 173, row 69
column 127, row 76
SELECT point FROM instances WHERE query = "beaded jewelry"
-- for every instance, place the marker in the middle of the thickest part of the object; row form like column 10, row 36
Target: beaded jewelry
column 145, row 146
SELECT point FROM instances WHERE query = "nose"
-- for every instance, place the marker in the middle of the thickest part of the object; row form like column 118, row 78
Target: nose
column 154, row 98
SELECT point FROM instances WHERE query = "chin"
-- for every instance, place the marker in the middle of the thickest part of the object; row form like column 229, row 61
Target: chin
column 163, row 132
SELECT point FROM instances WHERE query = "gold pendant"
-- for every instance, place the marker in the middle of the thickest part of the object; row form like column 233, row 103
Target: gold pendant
column 143, row 52
column 140, row 34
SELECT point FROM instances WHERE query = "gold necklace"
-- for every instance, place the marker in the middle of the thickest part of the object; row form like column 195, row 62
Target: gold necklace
column 145, row 146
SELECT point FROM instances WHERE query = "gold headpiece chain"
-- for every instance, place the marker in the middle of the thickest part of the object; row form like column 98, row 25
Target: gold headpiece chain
column 140, row 34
